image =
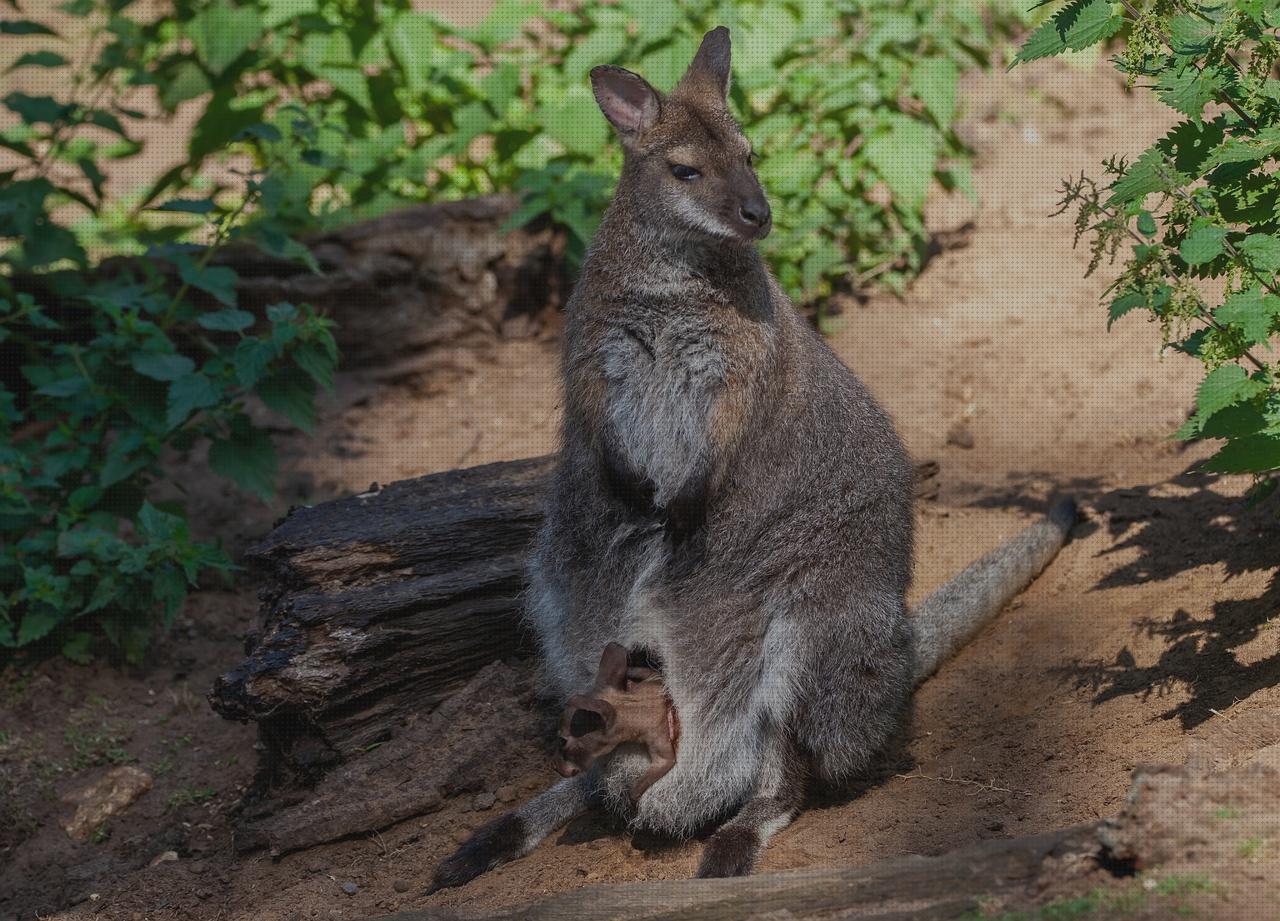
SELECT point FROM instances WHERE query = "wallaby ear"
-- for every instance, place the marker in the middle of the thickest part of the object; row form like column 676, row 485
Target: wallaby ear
column 708, row 73
column 613, row 668
column 626, row 99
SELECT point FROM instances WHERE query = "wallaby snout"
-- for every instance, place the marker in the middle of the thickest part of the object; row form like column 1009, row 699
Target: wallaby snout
column 755, row 213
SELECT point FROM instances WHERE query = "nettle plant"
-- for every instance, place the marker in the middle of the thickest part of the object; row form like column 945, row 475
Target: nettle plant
column 850, row 102
column 105, row 372
column 1196, row 215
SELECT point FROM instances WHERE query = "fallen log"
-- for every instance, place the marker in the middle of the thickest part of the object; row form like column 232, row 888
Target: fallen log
column 378, row 606
column 913, row 888
column 411, row 291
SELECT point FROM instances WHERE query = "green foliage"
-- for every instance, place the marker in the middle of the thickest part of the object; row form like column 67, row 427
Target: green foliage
column 105, row 375
column 1199, row 205
column 851, row 104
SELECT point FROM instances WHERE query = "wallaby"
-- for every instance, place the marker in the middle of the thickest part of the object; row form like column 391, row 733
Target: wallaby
column 628, row 704
column 730, row 502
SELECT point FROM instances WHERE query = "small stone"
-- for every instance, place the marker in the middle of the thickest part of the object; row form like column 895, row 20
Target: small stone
column 163, row 857
column 400, row 885
column 505, row 794
column 318, row 866
column 483, row 802
column 111, row 794
column 203, row 893
column 961, row 436
column 350, row 888
column 461, row 835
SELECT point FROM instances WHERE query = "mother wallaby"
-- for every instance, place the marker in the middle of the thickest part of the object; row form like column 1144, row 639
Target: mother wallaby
column 730, row 503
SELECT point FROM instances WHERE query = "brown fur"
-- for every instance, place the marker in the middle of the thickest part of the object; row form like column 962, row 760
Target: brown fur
column 632, row 706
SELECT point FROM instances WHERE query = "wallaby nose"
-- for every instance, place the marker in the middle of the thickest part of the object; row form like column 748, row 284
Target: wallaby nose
column 755, row 213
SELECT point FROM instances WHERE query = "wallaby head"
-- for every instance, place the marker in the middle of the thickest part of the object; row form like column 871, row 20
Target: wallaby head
column 684, row 156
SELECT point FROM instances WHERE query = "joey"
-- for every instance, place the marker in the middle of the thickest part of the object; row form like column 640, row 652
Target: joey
column 627, row 704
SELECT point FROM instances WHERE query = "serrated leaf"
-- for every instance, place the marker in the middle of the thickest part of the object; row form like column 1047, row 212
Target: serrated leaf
column 1124, row 304
column 1204, row 244
column 1224, row 386
column 291, row 392
column 1190, row 89
column 188, row 394
column 317, row 362
column 1245, row 149
column 1076, row 26
column 1254, row 311
column 162, row 366
column 1263, row 251
column 1255, row 454
column 38, row 622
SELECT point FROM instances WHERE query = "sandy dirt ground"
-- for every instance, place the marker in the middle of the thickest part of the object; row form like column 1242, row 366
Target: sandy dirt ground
column 1149, row 640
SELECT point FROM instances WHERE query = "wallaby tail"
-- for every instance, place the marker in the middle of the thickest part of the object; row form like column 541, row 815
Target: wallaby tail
column 953, row 614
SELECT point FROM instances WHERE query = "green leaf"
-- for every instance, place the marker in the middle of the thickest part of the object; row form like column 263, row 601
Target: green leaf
column 1224, row 386
column 187, row 394
column 577, row 123
column 24, row 27
column 38, row 59
column 1190, row 89
column 218, row 281
column 316, row 362
column 934, row 82
column 1146, row 224
column 1254, row 311
column 35, row 110
column 187, row 206
column 226, row 321
column 79, row 647
column 904, row 157
column 1124, row 304
column 291, row 392
column 1255, row 454
column 1076, row 26
column 162, row 366
column 1204, row 244
column 37, row 623
column 247, row 458
column 1263, row 251
column 186, row 81
column 221, row 33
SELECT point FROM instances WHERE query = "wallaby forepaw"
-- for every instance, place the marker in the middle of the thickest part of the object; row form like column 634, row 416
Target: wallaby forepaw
column 492, row 845
column 730, row 852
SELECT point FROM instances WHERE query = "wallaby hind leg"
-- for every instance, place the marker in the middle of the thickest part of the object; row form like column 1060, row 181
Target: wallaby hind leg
column 517, row 833
column 778, row 795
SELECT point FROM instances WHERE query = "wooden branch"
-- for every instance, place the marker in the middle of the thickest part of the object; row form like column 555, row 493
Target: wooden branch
column 912, row 888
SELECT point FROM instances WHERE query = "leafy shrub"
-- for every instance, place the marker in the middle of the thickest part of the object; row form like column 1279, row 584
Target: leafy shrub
column 1197, row 211
column 104, row 373
column 850, row 102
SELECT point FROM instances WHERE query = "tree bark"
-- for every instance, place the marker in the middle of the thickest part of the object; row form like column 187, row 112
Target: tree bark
column 379, row 606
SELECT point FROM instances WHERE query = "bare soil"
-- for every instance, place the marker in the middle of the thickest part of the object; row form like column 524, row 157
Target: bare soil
column 1149, row 640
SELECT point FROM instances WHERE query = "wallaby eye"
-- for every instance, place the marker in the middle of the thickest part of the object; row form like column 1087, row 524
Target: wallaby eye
column 680, row 171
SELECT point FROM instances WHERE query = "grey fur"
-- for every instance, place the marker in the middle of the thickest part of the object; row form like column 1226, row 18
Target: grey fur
column 951, row 616
column 728, row 497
